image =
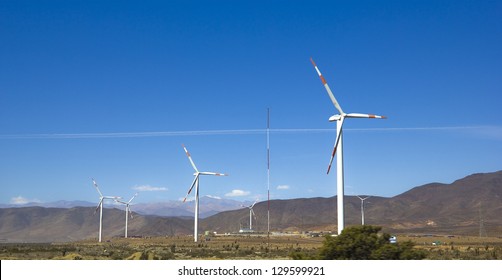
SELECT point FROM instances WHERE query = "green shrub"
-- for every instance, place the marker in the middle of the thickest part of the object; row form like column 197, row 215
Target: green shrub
column 365, row 243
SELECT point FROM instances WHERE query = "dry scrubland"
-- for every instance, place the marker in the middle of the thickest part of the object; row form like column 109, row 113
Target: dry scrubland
column 166, row 248
column 234, row 247
column 458, row 247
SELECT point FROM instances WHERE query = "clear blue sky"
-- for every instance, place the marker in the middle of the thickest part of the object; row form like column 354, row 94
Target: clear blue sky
column 74, row 74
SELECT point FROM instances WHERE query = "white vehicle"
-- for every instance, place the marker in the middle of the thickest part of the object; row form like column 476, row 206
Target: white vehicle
column 393, row 240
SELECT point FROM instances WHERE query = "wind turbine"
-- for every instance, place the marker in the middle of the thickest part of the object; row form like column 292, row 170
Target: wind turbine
column 127, row 210
column 362, row 208
column 196, row 184
column 340, row 118
column 251, row 214
column 100, row 206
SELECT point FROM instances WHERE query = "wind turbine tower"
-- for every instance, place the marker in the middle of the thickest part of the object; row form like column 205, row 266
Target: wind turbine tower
column 362, row 208
column 251, row 214
column 339, row 118
column 100, row 206
column 196, row 184
column 127, row 211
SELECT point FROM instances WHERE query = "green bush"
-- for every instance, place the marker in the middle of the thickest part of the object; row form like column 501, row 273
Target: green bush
column 366, row 243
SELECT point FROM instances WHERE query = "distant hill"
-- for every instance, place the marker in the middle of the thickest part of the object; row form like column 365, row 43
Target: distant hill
column 54, row 204
column 39, row 224
column 471, row 205
column 461, row 207
column 302, row 214
column 207, row 206
column 172, row 208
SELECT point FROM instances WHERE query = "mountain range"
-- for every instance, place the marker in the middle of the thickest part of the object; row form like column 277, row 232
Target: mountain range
column 468, row 206
column 208, row 206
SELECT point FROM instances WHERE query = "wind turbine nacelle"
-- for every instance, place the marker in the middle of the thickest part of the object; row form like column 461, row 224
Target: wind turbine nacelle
column 335, row 118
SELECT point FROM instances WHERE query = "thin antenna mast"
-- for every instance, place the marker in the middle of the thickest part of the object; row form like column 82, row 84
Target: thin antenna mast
column 268, row 175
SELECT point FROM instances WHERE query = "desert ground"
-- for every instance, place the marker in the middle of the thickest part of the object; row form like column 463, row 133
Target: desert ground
column 234, row 247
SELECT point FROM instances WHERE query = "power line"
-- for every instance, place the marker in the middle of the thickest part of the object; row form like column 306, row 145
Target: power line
column 232, row 132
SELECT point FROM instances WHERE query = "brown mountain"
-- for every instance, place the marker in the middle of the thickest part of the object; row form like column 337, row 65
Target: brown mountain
column 300, row 214
column 38, row 224
column 466, row 206
column 471, row 205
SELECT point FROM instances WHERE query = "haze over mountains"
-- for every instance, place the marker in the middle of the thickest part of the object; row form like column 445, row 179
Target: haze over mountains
column 469, row 206
column 172, row 208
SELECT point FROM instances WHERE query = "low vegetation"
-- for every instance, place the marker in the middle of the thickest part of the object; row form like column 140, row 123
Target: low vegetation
column 354, row 243
column 165, row 248
column 366, row 243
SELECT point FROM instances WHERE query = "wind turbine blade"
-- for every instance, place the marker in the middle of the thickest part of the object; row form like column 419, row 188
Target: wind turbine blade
column 338, row 134
column 190, row 158
column 135, row 195
column 112, row 197
column 96, row 186
column 254, row 204
column 254, row 215
column 330, row 93
column 368, row 116
column 213, row 173
column 97, row 207
column 191, row 187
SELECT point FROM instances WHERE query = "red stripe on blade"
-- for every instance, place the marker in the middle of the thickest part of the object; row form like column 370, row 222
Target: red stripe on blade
column 313, row 63
column 323, row 80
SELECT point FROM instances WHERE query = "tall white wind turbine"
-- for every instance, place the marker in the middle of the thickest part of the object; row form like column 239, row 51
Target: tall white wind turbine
column 196, row 184
column 100, row 206
column 251, row 214
column 362, row 208
column 127, row 211
column 339, row 118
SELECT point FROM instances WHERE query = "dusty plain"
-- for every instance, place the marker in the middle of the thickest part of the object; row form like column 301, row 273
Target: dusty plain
column 235, row 247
